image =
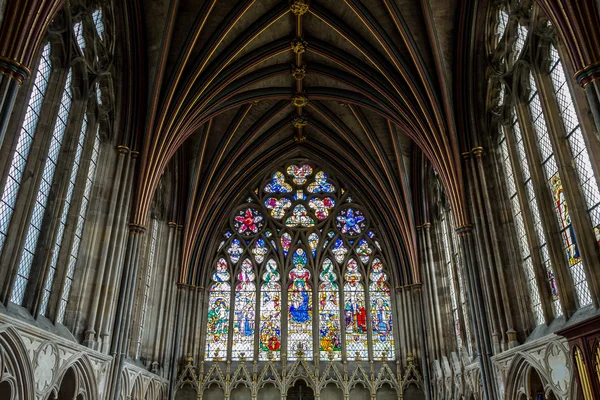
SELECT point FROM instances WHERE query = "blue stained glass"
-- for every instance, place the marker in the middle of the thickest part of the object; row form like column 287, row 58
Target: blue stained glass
column 300, row 308
column 235, row 251
column 286, row 241
column 321, row 207
column 313, row 242
column 339, row 250
column 278, row 184
column 320, row 185
column 350, row 221
column 259, row 250
column 278, row 207
column 381, row 312
column 364, row 251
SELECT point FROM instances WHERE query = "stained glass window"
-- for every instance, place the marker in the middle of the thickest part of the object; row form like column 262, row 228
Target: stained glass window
column 270, row 312
column 381, row 312
column 355, row 312
column 217, row 327
column 306, row 245
column 299, row 307
column 244, row 312
column 330, row 344
column 450, row 275
column 581, row 157
column 147, row 287
column 561, row 207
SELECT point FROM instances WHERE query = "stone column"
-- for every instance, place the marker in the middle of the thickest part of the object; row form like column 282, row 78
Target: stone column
column 122, row 324
column 478, row 313
column 418, row 296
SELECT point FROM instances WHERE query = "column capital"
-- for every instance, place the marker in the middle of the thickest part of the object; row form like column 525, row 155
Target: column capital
column 136, row 228
column 14, row 69
column 122, row 149
column 464, row 230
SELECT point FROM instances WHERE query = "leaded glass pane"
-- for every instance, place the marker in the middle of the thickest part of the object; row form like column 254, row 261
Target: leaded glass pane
column 355, row 313
column 300, row 308
column 561, row 207
column 270, row 313
column 330, row 343
column 17, row 165
column 147, row 287
column 381, row 312
column 244, row 313
column 39, row 208
column 217, row 330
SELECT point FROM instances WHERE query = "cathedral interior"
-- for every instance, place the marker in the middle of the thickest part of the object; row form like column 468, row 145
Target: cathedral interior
column 299, row 199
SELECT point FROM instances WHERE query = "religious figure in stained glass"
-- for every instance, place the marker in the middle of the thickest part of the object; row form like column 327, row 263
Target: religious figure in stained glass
column 245, row 301
column 355, row 313
column 565, row 221
column 320, row 233
column 300, row 306
column 329, row 312
column 218, row 313
column 270, row 312
column 381, row 312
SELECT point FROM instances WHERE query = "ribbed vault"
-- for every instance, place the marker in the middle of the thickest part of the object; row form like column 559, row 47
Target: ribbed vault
column 239, row 86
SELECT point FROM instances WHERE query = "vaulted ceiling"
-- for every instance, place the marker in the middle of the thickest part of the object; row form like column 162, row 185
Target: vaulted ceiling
column 240, row 86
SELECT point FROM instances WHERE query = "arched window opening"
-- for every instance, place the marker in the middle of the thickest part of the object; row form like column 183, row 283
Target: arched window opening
column 21, row 153
column 324, row 283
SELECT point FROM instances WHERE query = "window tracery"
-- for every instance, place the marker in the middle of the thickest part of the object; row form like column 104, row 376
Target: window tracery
column 524, row 57
column 324, row 288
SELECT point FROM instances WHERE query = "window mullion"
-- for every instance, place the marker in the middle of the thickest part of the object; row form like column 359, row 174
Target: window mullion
column 570, row 180
column 531, row 234
column 547, row 215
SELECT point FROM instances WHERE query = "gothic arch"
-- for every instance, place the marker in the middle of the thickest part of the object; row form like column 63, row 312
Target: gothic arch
column 15, row 368
column 84, row 383
column 523, row 372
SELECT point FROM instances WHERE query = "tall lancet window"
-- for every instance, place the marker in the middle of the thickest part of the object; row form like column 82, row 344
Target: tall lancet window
column 245, row 304
column 355, row 312
column 217, row 330
column 310, row 277
column 300, row 306
column 329, row 312
column 381, row 312
column 270, row 310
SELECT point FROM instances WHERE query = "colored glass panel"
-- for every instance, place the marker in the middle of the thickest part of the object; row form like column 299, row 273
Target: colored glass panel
column 248, row 221
column 339, row 250
column 278, row 184
column 300, row 218
column 321, row 207
column 355, row 313
column 286, row 241
column 259, row 250
column 350, row 221
column 451, row 283
column 313, row 242
column 235, row 251
column 299, row 173
column 299, row 308
column 278, row 207
column 329, row 313
column 244, row 313
column 363, row 251
column 321, row 184
column 381, row 313
column 217, row 329
column 270, row 313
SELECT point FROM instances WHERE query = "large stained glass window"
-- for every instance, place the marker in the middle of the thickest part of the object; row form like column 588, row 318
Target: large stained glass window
column 217, row 329
column 309, row 249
